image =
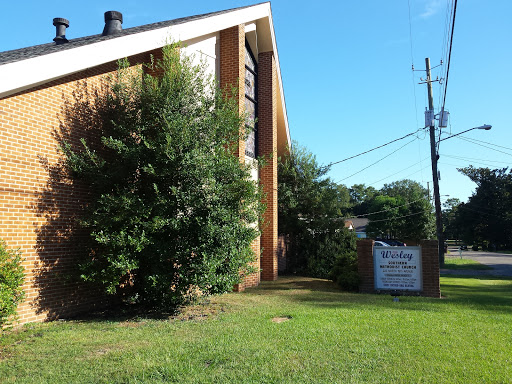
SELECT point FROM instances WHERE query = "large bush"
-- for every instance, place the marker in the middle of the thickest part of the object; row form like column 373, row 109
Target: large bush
column 344, row 271
column 171, row 207
column 11, row 281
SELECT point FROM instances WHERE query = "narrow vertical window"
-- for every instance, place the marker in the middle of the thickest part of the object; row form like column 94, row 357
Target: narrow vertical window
column 251, row 103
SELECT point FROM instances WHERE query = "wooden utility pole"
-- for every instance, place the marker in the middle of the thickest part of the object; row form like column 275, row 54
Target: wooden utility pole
column 433, row 156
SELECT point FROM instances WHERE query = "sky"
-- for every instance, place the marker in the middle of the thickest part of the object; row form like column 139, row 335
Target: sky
column 347, row 75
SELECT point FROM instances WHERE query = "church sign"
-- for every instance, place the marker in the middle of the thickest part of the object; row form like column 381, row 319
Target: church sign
column 397, row 268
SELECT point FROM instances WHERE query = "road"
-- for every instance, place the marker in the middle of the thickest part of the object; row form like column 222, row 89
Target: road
column 500, row 262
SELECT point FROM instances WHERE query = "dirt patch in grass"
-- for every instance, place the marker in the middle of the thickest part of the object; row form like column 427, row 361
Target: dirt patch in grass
column 199, row 312
column 132, row 324
column 281, row 319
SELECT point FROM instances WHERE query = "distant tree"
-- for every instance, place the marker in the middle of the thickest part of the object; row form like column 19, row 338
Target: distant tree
column 344, row 202
column 450, row 210
column 310, row 214
column 385, row 216
column 171, row 207
column 401, row 210
column 360, row 197
column 487, row 216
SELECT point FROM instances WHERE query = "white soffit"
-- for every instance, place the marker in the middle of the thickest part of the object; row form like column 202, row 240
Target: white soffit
column 21, row 75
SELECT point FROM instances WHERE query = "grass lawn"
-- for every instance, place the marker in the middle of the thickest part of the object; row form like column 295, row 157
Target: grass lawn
column 328, row 336
column 455, row 262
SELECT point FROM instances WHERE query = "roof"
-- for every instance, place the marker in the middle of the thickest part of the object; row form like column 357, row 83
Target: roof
column 18, row 67
column 360, row 224
column 45, row 49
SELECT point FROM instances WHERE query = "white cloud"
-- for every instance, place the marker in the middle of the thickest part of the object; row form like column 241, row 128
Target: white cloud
column 431, row 8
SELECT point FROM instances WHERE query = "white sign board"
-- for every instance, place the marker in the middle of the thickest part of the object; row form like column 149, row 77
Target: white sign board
column 397, row 268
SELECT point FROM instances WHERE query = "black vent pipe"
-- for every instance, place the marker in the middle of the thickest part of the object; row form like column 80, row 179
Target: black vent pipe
column 60, row 34
column 113, row 21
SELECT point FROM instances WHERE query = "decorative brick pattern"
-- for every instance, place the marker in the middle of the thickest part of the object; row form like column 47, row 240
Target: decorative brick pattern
column 429, row 266
column 267, row 141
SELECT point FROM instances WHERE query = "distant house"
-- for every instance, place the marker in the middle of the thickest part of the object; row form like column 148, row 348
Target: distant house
column 357, row 225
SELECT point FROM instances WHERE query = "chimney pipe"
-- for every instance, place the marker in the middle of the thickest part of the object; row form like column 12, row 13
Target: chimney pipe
column 113, row 21
column 60, row 34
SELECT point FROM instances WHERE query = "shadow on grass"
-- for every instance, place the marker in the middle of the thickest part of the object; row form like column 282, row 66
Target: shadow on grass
column 485, row 293
column 122, row 313
column 466, row 267
column 296, row 282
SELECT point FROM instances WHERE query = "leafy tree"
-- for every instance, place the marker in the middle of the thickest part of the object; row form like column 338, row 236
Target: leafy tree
column 171, row 207
column 310, row 213
column 11, row 281
column 487, row 216
column 401, row 210
column 344, row 200
column 385, row 216
column 450, row 211
column 360, row 197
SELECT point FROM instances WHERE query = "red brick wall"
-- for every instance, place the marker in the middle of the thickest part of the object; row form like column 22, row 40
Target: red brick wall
column 252, row 280
column 232, row 73
column 39, row 202
column 429, row 265
column 430, row 268
column 232, row 69
column 267, row 141
column 365, row 265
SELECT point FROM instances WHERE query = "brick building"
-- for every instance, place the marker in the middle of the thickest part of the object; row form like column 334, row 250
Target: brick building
column 40, row 85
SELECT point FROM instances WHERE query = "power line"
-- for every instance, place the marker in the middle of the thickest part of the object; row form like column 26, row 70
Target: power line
column 445, row 45
column 465, row 165
column 373, row 149
column 385, row 210
column 449, row 54
column 415, row 172
column 478, row 160
column 400, row 217
column 387, row 177
column 412, row 63
column 485, row 142
column 445, row 85
column 485, row 146
column 378, row 161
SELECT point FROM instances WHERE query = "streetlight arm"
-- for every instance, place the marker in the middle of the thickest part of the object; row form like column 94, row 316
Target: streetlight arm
column 485, row 126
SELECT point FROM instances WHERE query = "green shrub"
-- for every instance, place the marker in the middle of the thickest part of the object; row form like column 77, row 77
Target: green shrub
column 344, row 271
column 474, row 247
column 170, row 203
column 319, row 252
column 11, row 280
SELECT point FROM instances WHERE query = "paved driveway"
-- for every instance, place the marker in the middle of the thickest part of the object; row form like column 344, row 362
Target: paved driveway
column 500, row 262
